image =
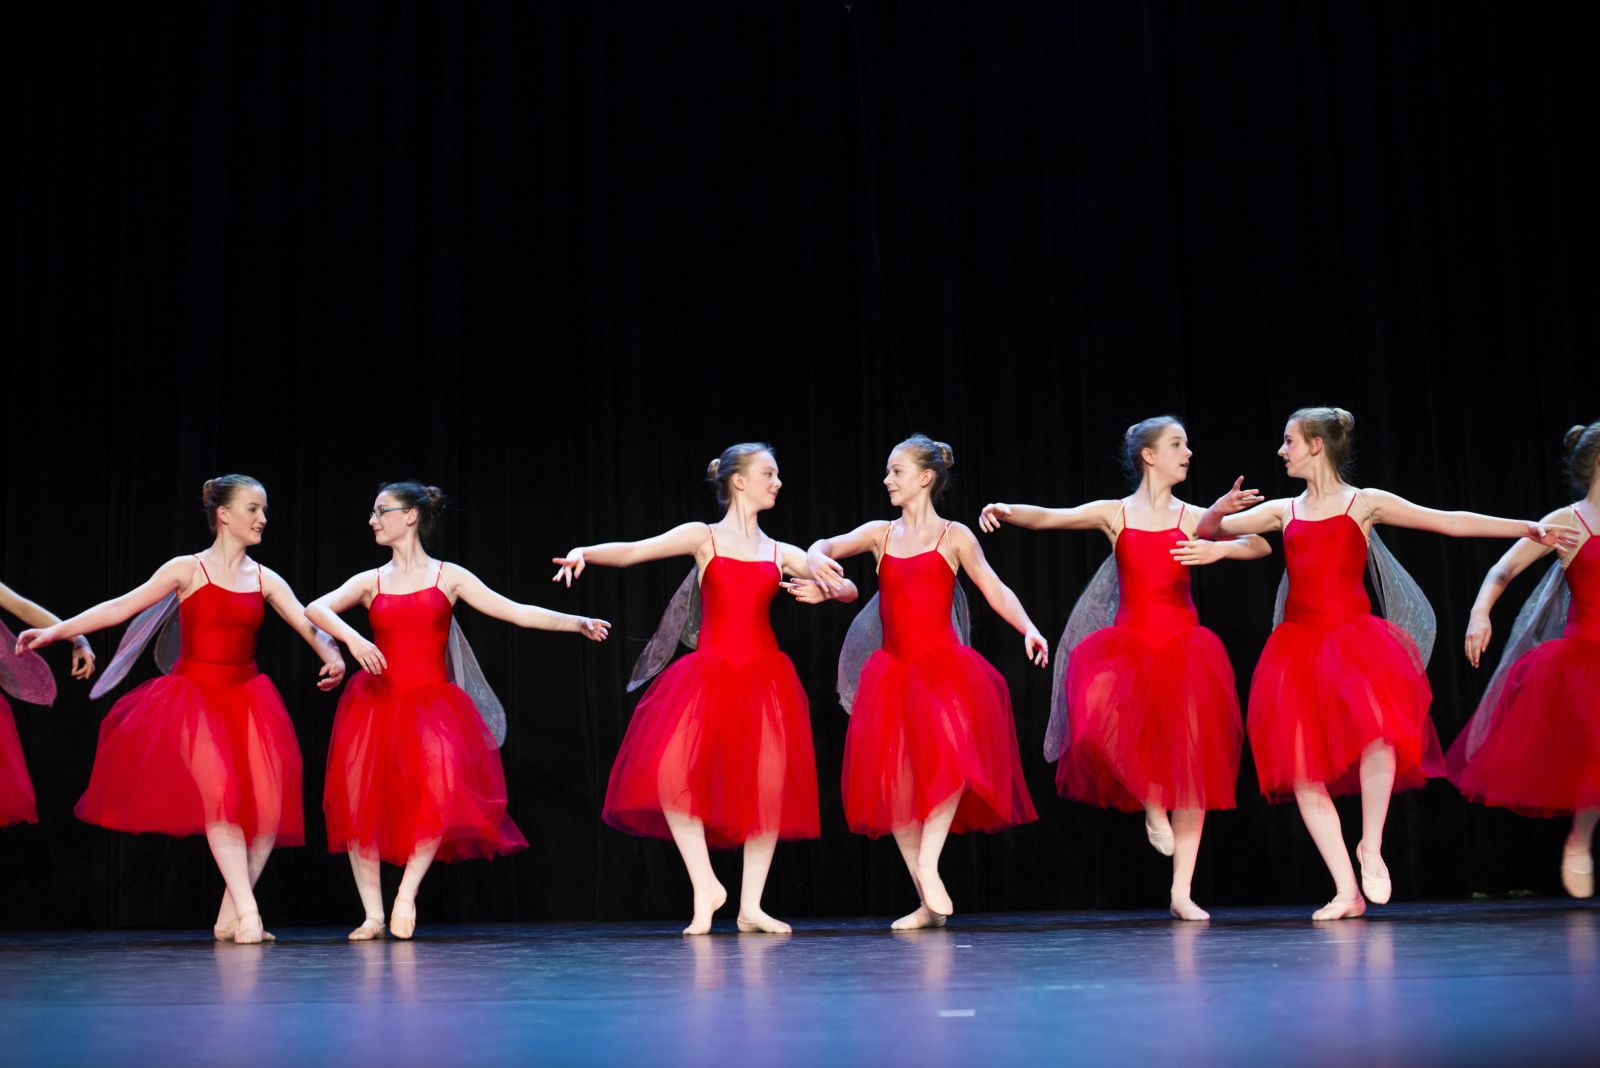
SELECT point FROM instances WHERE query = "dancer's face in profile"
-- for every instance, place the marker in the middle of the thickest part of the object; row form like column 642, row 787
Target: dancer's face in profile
column 758, row 483
column 390, row 519
column 1169, row 457
column 1298, row 452
column 904, row 479
column 245, row 515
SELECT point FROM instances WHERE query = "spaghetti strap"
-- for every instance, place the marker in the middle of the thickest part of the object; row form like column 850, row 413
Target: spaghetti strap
column 1292, row 516
column 1122, row 517
column 1352, row 503
column 439, row 574
column 1181, row 509
column 883, row 549
column 942, row 533
column 377, row 580
column 775, row 556
column 261, row 581
column 1582, row 520
column 710, row 530
column 203, row 570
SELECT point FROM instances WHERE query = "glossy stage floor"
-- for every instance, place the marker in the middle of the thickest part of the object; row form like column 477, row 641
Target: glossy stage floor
column 1485, row 982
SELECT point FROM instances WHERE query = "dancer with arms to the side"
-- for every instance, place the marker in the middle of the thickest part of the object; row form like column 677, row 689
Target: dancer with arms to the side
column 26, row 678
column 1533, row 745
column 1339, row 699
column 932, row 747
column 1147, row 716
column 413, row 772
column 209, row 748
column 718, row 753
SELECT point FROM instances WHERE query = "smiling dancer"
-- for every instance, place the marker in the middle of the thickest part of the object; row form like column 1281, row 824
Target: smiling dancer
column 209, row 748
column 1144, row 713
column 718, row 753
column 413, row 772
column 1339, row 700
column 932, row 748
column 1534, row 744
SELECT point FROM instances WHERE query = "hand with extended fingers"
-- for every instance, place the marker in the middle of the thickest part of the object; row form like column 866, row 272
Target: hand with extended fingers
column 35, row 638
column 367, row 655
column 332, row 673
column 805, row 591
column 571, row 566
column 1237, row 499
column 1479, row 630
column 991, row 517
column 1193, row 552
column 826, row 571
column 1553, row 536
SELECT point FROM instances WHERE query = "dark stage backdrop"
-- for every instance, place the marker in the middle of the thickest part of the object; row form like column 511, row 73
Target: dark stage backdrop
column 553, row 257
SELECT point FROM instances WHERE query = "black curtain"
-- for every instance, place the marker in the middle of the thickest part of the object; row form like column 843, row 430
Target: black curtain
column 554, row 257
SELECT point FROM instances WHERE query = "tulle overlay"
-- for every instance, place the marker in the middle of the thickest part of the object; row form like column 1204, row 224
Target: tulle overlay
column 1543, row 757
column 1151, row 723
column 925, row 727
column 1322, row 693
column 16, row 789
column 408, row 764
column 210, row 743
column 726, row 742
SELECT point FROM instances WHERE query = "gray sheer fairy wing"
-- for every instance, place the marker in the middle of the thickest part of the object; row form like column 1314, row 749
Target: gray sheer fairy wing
column 465, row 673
column 26, row 677
column 144, row 627
column 961, row 616
column 864, row 638
column 1096, row 609
column 680, row 623
column 1280, row 601
column 1400, row 600
column 1543, row 616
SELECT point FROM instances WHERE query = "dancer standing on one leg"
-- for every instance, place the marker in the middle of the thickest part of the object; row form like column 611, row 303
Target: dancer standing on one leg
column 1534, row 744
column 932, row 748
column 718, row 752
column 209, row 748
column 1147, row 716
column 26, row 678
column 1339, row 700
column 413, row 775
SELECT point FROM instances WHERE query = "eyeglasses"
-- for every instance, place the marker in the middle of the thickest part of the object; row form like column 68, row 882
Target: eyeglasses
column 383, row 510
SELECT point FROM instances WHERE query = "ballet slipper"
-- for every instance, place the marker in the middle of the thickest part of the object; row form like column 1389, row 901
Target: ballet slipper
column 250, row 932
column 1160, row 837
column 403, row 918
column 918, row 920
column 1376, row 887
column 371, row 928
column 1183, row 908
column 935, row 898
column 225, row 934
column 1342, row 907
column 1577, row 873
column 759, row 921
column 704, row 909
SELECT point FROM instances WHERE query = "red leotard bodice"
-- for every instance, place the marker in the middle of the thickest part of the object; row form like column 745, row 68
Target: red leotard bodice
column 735, row 608
column 412, row 630
column 1325, row 559
column 1154, row 599
column 1583, row 579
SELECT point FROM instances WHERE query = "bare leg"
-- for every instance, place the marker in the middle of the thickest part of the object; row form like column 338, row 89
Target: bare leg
column 1322, row 820
column 403, row 917
column 233, row 861
column 1377, row 786
column 1158, row 829
column 935, row 829
column 709, row 895
column 757, row 861
column 370, row 889
column 1186, row 826
column 228, row 915
column 909, row 839
column 1577, row 863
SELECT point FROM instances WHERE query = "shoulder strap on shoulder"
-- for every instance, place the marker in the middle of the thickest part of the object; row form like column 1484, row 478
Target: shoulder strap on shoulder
column 942, row 533
column 261, row 579
column 1582, row 520
column 202, row 564
column 377, row 580
column 1352, row 503
column 712, row 533
column 438, row 574
column 1291, row 509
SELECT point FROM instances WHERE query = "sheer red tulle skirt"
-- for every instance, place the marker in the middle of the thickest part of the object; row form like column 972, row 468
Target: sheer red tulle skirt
column 725, row 742
column 1151, row 724
column 16, row 789
column 925, row 727
column 1542, row 757
column 1324, row 692
column 210, row 743
column 410, row 765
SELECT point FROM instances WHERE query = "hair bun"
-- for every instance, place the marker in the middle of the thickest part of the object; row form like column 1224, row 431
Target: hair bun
column 210, row 484
column 1571, row 440
column 946, row 453
column 1346, row 420
column 712, row 468
column 435, row 496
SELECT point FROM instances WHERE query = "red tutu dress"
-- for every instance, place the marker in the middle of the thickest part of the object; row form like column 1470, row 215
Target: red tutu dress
column 724, row 733
column 16, row 789
column 1334, row 678
column 930, row 717
column 1154, row 715
column 1542, row 753
column 209, row 743
column 411, row 760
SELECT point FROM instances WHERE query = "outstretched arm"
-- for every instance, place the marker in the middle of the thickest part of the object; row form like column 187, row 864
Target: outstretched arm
column 683, row 540
column 1394, row 510
column 822, row 559
column 173, row 576
column 38, row 616
column 805, row 589
column 287, row 605
column 324, row 614
column 997, row 593
column 1516, row 560
column 459, row 583
column 1096, row 515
